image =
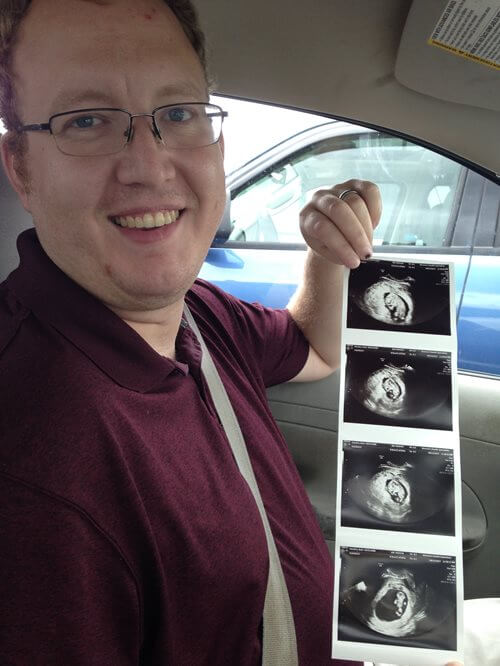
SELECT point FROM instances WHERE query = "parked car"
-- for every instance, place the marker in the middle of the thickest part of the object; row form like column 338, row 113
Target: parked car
column 429, row 200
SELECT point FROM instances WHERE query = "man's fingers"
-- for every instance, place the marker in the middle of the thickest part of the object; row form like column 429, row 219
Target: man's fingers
column 360, row 210
column 351, row 216
column 341, row 230
column 368, row 192
column 328, row 241
column 345, row 231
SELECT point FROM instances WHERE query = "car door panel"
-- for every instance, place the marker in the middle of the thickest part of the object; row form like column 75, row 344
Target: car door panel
column 480, row 451
column 307, row 414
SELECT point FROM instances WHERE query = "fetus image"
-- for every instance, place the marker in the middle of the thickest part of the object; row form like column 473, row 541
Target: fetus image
column 398, row 598
column 388, row 494
column 400, row 488
column 399, row 296
column 385, row 390
column 398, row 386
column 394, row 605
column 389, row 300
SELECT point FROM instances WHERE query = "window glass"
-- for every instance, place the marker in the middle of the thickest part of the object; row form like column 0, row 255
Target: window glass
column 418, row 187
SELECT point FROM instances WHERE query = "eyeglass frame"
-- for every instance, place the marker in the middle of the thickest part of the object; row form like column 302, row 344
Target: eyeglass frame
column 47, row 126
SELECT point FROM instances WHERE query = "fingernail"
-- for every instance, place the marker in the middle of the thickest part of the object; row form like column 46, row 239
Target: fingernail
column 368, row 256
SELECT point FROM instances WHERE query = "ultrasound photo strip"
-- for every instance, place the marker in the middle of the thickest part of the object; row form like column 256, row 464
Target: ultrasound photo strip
column 398, row 471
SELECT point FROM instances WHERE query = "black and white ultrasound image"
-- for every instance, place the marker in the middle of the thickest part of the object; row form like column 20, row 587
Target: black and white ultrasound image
column 398, row 387
column 395, row 598
column 399, row 296
column 398, row 488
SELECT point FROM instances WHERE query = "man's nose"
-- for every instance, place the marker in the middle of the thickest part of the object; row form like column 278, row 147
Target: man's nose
column 145, row 159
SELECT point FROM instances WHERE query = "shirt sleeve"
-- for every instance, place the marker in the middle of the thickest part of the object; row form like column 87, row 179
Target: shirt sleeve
column 65, row 595
column 269, row 335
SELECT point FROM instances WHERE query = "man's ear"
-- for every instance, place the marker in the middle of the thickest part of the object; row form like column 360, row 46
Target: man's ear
column 13, row 170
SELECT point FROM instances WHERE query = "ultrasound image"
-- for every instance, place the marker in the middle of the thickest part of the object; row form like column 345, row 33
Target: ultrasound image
column 398, row 387
column 398, row 488
column 398, row 296
column 397, row 598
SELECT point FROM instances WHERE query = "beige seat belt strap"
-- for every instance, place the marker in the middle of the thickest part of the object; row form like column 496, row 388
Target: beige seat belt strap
column 279, row 641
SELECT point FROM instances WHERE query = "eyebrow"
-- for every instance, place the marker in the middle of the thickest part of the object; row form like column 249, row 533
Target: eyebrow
column 71, row 99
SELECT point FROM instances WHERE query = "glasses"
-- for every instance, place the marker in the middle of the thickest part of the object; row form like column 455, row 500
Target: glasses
column 107, row 131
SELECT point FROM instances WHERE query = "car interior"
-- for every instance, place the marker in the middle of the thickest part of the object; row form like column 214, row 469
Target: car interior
column 368, row 62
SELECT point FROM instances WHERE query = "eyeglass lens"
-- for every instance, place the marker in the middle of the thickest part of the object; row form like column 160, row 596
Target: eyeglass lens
column 105, row 131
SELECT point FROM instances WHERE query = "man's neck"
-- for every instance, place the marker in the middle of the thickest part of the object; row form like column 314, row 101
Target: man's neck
column 158, row 328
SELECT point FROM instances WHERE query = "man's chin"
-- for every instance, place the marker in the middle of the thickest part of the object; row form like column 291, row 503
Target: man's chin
column 151, row 295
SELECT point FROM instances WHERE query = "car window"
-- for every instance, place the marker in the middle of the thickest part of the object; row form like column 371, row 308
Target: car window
column 418, row 189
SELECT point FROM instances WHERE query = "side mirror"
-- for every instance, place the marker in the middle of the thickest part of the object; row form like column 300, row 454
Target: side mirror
column 225, row 226
column 279, row 177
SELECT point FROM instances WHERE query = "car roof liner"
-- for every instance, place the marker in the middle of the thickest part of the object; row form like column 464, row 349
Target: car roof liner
column 438, row 72
column 369, row 62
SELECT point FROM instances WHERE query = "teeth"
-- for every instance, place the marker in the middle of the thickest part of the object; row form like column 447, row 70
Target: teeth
column 160, row 219
column 148, row 221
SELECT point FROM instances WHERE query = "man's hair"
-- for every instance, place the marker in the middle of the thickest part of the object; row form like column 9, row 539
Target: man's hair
column 11, row 15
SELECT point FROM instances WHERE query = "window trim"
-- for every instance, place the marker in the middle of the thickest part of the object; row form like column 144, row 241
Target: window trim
column 477, row 168
column 378, row 249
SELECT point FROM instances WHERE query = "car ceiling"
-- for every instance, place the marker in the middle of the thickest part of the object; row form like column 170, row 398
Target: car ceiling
column 364, row 60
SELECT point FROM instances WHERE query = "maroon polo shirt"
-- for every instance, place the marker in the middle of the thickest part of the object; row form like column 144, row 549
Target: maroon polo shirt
column 128, row 535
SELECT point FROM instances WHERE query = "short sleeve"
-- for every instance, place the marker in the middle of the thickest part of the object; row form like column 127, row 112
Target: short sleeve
column 269, row 335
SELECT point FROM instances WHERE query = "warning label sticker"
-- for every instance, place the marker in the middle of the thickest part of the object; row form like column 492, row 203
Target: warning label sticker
column 471, row 29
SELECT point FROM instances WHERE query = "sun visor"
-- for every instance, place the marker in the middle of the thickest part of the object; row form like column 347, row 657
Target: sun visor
column 450, row 49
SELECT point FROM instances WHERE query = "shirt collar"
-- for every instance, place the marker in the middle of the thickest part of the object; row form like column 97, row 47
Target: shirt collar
column 99, row 333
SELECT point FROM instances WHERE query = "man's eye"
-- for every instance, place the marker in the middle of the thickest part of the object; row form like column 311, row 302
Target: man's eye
column 85, row 122
column 178, row 115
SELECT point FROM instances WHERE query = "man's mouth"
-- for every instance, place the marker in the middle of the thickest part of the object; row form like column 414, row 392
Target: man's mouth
column 148, row 220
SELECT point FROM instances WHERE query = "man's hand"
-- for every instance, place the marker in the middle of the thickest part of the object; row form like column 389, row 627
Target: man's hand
column 339, row 233
column 341, row 230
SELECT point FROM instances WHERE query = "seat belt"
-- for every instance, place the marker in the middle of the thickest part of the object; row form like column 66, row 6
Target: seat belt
column 279, row 644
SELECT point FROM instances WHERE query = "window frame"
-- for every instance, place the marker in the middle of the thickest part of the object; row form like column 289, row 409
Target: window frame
column 281, row 155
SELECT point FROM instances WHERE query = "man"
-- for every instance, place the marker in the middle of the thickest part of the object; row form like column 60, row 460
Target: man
column 128, row 534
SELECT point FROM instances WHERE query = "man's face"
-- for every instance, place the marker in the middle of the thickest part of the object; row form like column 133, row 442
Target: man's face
column 131, row 54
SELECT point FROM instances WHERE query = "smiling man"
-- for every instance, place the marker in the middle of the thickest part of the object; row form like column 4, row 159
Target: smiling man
column 116, row 55
column 128, row 533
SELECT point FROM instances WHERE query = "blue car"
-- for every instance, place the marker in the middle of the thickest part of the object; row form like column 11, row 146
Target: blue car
column 434, row 208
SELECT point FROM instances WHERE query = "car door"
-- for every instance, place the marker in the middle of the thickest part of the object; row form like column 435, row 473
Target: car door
column 435, row 208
